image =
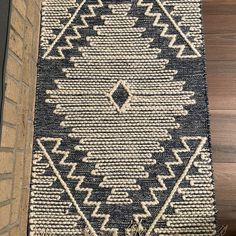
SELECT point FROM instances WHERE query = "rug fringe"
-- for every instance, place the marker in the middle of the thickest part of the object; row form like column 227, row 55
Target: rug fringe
column 43, row 232
column 135, row 229
column 222, row 230
column 87, row 232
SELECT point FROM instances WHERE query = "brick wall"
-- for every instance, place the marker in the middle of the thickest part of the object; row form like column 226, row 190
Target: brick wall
column 17, row 131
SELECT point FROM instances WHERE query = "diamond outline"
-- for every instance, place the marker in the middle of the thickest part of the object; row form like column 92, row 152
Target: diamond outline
column 127, row 102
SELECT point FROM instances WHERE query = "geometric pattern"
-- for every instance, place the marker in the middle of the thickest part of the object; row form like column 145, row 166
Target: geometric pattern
column 121, row 123
column 61, row 220
column 104, row 143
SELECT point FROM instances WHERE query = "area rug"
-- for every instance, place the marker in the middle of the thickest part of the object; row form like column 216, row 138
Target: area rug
column 121, row 143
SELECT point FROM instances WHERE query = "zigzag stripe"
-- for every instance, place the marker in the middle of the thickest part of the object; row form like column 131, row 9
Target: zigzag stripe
column 161, row 179
column 76, row 28
column 78, row 187
column 52, row 13
column 69, row 39
column 164, row 33
column 186, row 11
column 58, row 175
column 97, row 205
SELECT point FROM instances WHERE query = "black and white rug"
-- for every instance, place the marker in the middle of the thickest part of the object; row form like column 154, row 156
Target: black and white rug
column 121, row 144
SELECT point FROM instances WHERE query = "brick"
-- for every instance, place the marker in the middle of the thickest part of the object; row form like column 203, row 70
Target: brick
column 14, row 68
column 16, row 232
column 21, row 132
column 31, row 104
column 24, row 103
column 10, row 112
column 27, row 68
column 26, row 181
column 5, row 234
column 17, row 22
column 38, row 2
column 20, row 6
column 28, row 39
column 5, row 189
column 8, row 137
column 5, row 216
column 18, row 186
column 33, row 78
column 12, row 89
column 6, row 162
column 36, row 36
column 23, row 117
column 28, row 152
column 26, row 187
column 15, row 210
column 32, row 8
column 16, row 44
column 21, row 66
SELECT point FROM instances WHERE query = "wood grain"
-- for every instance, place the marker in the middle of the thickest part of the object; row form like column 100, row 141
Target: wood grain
column 220, row 24
column 221, row 52
column 223, row 129
column 219, row 7
column 225, row 175
column 221, row 47
column 225, row 181
column 221, row 78
column 219, row 21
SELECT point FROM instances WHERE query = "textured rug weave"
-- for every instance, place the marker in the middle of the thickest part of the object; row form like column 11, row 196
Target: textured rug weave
column 121, row 144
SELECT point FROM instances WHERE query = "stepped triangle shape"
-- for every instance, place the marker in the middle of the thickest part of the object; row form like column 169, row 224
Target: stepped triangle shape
column 58, row 212
column 185, row 49
column 54, row 20
column 61, row 43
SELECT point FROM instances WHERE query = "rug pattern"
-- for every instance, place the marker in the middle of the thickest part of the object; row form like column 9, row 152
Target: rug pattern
column 121, row 144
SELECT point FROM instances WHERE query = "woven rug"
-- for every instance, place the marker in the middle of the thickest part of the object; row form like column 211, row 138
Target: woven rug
column 121, row 143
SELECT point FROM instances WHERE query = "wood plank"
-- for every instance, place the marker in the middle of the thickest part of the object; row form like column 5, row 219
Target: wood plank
column 221, row 67
column 226, row 216
column 223, row 130
column 221, row 78
column 220, row 47
column 219, row 2
column 225, row 185
column 221, row 52
column 215, row 7
column 219, row 24
column 220, row 39
column 219, row 19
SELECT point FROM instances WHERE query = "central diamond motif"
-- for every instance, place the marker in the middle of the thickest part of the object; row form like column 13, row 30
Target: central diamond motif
column 120, row 96
column 121, row 112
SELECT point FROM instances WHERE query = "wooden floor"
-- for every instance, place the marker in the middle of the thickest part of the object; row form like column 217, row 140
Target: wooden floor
column 219, row 18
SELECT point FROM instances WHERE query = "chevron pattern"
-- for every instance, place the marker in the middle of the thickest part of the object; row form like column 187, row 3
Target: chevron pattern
column 193, row 198
column 72, row 165
column 190, row 18
column 162, row 178
column 52, row 19
column 58, row 212
column 75, row 28
column 165, row 32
